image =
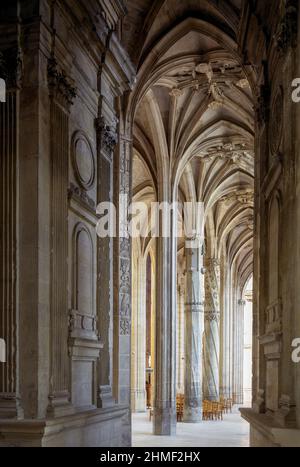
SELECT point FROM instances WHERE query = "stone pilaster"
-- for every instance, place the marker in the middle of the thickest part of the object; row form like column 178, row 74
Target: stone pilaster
column 193, row 337
column 10, row 66
column 62, row 94
column 106, row 143
column 211, row 330
column 122, row 280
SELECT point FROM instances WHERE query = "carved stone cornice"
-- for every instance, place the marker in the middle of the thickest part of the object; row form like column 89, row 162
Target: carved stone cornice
column 112, row 12
column 60, row 85
column 107, row 136
column 11, row 67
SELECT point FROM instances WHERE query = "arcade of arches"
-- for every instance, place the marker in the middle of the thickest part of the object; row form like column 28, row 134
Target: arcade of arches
column 164, row 101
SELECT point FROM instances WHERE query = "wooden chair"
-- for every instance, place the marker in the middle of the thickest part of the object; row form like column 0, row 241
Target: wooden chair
column 224, row 404
column 179, row 407
column 217, row 410
column 229, row 404
column 149, row 395
column 207, row 410
column 204, row 410
column 212, row 410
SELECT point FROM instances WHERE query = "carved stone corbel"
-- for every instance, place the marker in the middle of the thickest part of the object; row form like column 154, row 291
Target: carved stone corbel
column 107, row 136
column 259, row 403
column 286, row 415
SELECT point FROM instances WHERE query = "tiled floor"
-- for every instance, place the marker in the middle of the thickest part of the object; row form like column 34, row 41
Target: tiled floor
column 231, row 432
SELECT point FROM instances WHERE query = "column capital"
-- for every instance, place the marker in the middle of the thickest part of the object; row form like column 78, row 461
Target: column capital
column 194, row 242
column 212, row 315
column 60, row 85
column 211, row 262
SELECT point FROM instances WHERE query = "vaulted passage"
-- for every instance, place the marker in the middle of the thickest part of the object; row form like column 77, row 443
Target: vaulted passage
column 150, row 223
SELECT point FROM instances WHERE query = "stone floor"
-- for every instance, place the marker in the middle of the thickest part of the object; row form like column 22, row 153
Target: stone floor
column 231, row 432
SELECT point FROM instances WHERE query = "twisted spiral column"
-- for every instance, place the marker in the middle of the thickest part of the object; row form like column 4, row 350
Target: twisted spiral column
column 211, row 350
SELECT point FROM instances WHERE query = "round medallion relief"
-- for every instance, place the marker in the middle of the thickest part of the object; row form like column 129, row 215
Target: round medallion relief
column 83, row 160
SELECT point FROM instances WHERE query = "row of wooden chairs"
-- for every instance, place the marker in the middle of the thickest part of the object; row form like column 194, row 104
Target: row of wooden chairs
column 227, row 404
column 214, row 410
column 211, row 410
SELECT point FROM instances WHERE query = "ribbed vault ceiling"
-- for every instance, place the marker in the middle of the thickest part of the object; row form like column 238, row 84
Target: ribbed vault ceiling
column 193, row 116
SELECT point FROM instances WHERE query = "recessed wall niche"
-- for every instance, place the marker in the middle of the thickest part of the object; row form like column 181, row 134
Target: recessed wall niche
column 83, row 160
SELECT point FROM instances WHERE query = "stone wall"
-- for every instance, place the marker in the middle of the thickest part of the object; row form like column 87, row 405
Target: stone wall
column 66, row 72
column 276, row 304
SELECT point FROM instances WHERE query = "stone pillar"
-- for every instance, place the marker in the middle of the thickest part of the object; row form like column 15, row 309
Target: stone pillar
column 9, row 319
column 226, row 323
column 193, row 337
column 211, row 329
column 180, row 354
column 165, row 354
column 139, row 337
column 122, row 282
column 239, row 352
column 106, row 143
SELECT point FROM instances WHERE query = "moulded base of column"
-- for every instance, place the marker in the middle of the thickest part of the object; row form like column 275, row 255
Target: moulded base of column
column 60, row 405
column 10, row 407
column 192, row 414
column 164, row 422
